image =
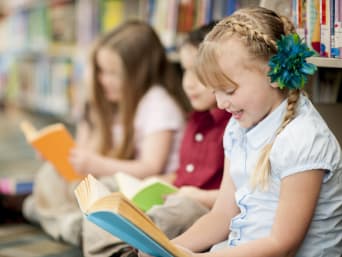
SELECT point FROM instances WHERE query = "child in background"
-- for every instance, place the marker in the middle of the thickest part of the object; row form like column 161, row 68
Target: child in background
column 201, row 163
column 281, row 193
column 133, row 122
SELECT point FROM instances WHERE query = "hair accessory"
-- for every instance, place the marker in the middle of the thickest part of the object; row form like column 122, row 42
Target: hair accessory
column 288, row 66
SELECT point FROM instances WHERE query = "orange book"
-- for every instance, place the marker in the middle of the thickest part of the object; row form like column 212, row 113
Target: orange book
column 54, row 143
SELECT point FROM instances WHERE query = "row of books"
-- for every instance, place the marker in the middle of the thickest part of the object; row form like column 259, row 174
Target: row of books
column 40, row 83
column 319, row 22
column 37, row 24
column 43, row 58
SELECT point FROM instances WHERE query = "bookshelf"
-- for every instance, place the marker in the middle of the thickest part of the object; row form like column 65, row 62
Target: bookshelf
column 319, row 24
column 46, row 42
column 325, row 62
column 44, row 54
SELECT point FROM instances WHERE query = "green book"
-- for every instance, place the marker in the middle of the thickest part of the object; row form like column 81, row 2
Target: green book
column 144, row 193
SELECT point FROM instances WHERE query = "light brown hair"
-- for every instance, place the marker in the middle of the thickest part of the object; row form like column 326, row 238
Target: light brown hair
column 145, row 64
column 258, row 29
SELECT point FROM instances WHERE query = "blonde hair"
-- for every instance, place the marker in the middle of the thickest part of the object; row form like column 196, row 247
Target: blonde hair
column 258, row 29
column 145, row 64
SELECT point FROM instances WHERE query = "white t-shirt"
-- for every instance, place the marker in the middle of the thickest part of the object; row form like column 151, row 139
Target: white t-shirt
column 157, row 111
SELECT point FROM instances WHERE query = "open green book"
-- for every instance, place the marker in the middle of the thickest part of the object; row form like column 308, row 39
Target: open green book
column 116, row 214
column 144, row 193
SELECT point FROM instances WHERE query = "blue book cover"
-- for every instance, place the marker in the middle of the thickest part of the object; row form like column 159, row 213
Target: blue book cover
column 116, row 214
column 127, row 232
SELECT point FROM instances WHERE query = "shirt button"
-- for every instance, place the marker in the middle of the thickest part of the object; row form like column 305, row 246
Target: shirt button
column 234, row 234
column 199, row 137
column 190, row 168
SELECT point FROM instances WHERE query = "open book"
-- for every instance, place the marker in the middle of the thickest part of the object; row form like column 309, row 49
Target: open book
column 54, row 143
column 117, row 215
column 144, row 193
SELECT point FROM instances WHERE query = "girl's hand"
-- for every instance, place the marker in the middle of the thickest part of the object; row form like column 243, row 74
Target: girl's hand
column 83, row 161
column 192, row 192
column 39, row 156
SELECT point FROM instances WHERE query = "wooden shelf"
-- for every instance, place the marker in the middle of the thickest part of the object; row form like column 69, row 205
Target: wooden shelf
column 326, row 62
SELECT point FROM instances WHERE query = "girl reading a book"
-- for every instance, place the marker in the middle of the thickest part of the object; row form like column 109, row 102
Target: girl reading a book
column 281, row 190
column 200, row 169
column 133, row 122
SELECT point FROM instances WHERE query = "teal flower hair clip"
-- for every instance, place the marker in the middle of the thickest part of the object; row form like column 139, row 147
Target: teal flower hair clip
column 288, row 66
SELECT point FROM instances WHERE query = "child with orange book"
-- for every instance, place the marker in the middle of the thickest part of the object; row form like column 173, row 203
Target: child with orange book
column 133, row 122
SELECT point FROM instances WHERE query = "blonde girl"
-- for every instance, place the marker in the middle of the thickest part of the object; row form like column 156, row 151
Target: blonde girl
column 281, row 193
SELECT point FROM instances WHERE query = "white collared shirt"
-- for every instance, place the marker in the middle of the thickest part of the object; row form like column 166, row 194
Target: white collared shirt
column 306, row 143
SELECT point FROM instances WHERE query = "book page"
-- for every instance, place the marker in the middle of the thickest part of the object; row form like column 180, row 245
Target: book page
column 89, row 191
column 128, row 185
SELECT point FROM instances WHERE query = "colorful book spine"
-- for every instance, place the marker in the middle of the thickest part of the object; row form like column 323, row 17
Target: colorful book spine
column 325, row 28
column 230, row 6
column 336, row 51
column 111, row 14
column 313, row 24
column 299, row 17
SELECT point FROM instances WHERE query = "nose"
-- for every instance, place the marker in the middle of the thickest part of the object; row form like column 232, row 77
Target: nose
column 222, row 100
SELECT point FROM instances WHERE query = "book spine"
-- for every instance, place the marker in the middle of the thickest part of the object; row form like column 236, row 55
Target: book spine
column 313, row 25
column 325, row 28
column 337, row 39
column 230, row 7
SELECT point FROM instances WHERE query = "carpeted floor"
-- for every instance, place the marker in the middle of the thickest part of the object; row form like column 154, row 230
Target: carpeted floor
column 17, row 158
column 28, row 241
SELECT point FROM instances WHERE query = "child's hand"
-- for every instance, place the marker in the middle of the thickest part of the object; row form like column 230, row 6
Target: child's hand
column 39, row 156
column 192, row 192
column 82, row 160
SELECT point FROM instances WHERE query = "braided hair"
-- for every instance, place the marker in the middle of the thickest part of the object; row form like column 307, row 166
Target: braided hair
column 258, row 29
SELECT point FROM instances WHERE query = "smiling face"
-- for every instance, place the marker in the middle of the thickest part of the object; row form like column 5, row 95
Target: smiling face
column 201, row 97
column 110, row 74
column 250, row 97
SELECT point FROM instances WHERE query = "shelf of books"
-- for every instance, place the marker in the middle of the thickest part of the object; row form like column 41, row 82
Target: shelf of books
column 43, row 54
column 45, row 43
column 319, row 24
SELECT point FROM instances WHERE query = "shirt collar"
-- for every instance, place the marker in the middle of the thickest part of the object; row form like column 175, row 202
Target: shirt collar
column 265, row 129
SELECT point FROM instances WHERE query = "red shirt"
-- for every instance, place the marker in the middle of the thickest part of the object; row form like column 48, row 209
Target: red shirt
column 201, row 153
